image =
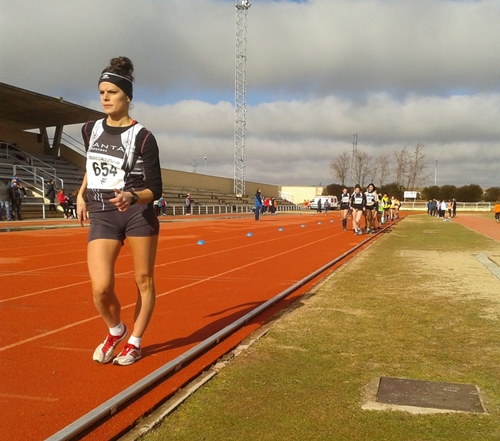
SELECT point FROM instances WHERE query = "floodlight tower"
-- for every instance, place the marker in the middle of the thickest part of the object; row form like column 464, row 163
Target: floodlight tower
column 240, row 96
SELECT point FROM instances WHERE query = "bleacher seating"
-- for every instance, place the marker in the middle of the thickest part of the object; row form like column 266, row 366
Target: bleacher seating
column 204, row 200
column 71, row 177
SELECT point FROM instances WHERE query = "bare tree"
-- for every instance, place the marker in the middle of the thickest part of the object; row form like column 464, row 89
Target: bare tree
column 362, row 167
column 340, row 166
column 383, row 165
column 416, row 174
column 401, row 165
column 409, row 167
column 371, row 170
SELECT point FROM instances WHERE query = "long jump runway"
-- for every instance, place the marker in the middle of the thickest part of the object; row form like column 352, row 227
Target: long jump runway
column 50, row 327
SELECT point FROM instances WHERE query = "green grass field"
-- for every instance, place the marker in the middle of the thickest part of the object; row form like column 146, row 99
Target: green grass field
column 416, row 304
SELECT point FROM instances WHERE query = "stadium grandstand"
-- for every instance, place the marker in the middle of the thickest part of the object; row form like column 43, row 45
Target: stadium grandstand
column 27, row 150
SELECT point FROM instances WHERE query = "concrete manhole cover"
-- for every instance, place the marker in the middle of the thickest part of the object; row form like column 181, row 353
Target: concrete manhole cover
column 429, row 394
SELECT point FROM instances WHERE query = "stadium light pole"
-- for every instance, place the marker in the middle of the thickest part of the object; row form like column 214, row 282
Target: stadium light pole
column 435, row 173
column 240, row 96
column 205, row 158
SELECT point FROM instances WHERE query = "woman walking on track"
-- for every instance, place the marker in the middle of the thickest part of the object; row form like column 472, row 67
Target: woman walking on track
column 344, row 207
column 257, row 201
column 123, row 179
column 358, row 203
column 371, row 206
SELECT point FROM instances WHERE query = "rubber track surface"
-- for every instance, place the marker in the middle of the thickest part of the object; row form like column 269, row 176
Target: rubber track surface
column 487, row 227
column 50, row 327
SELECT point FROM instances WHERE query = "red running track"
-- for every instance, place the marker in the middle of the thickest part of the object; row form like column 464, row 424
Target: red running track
column 479, row 224
column 50, row 327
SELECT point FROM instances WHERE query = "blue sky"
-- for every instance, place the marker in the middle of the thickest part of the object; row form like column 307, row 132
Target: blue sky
column 396, row 72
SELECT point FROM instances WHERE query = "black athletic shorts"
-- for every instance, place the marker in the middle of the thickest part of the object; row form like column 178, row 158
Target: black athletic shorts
column 137, row 221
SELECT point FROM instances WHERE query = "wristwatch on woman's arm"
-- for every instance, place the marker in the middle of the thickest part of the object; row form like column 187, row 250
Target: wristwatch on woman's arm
column 134, row 199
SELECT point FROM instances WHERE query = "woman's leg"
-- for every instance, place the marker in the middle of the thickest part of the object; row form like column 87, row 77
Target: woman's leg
column 356, row 217
column 144, row 255
column 368, row 219
column 343, row 216
column 374, row 219
column 354, row 220
column 101, row 256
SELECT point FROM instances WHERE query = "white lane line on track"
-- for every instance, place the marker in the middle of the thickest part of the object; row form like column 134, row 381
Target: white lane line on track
column 198, row 282
column 27, row 397
column 126, row 273
column 43, row 291
column 61, row 348
column 121, row 256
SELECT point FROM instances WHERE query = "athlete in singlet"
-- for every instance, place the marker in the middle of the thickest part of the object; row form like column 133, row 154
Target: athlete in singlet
column 344, row 207
column 371, row 208
column 386, row 205
column 357, row 205
column 122, row 180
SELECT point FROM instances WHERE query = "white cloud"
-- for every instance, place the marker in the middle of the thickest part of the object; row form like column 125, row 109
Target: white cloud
column 396, row 72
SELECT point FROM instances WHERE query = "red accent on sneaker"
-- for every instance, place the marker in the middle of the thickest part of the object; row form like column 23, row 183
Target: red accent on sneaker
column 104, row 352
column 112, row 340
column 128, row 355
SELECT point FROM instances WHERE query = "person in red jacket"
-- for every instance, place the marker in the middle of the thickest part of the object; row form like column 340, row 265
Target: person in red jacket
column 63, row 202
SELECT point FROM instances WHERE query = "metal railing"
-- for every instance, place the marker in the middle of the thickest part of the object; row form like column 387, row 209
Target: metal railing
column 73, row 143
column 180, row 210
column 461, row 206
column 38, row 174
column 11, row 151
column 38, row 170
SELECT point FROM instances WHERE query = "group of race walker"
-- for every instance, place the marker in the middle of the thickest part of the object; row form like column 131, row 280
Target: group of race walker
column 376, row 210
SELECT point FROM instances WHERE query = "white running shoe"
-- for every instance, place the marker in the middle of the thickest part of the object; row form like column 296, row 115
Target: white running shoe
column 128, row 355
column 104, row 352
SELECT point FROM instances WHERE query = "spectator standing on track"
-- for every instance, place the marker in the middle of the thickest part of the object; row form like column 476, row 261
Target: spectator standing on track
column 267, row 204
column 118, row 190
column 496, row 210
column 326, row 206
column 450, row 208
column 434, row 207
column 162, row 206
column 70, row 205
column 15, row 200
column 17, row 180
column 344, row 207
column 441, row 209
column 187, row 203
column 63, row 202
column 454, row 207
column 4, row 199
column 357, row 204
column 50, row 194
column 257, row 204
column 319, row 209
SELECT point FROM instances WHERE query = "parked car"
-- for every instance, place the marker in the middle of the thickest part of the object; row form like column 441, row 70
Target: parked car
column 313, row 203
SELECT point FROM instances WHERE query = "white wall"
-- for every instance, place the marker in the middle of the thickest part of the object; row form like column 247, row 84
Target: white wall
column 297, row 195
